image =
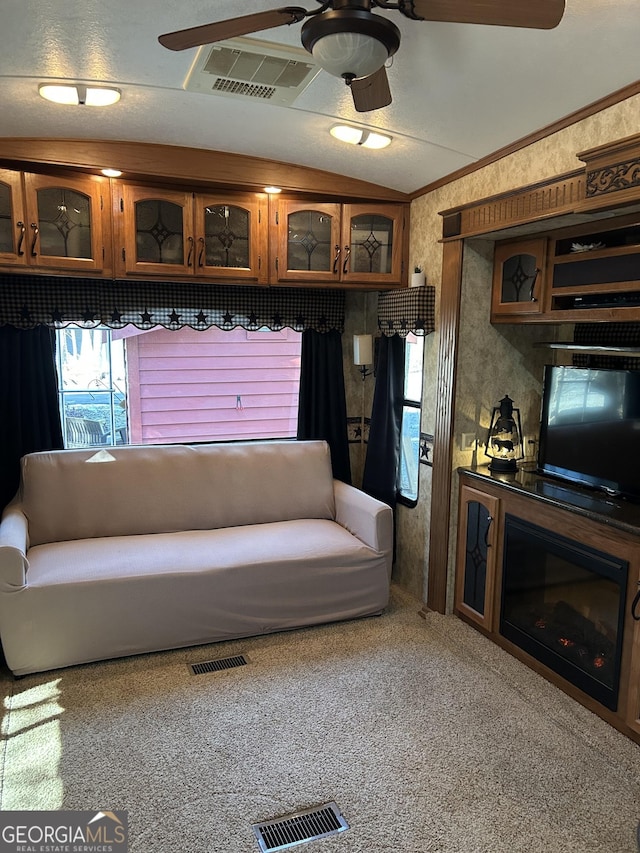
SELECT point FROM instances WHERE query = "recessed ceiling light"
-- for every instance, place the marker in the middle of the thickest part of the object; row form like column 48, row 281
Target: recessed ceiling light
column 360, row 136
column 111, row 173
column 273, row 190
column 92, row 96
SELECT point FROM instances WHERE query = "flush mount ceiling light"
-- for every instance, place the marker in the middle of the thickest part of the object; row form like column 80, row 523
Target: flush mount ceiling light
column 359, row 136
column 111, row 173
column 350, row 43
column 74, row 94
column 273, row 190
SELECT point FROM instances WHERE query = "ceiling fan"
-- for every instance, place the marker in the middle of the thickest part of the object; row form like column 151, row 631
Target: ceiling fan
column 349, row 41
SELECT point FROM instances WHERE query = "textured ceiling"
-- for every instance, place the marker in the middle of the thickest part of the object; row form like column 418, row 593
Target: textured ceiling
column 460, row 91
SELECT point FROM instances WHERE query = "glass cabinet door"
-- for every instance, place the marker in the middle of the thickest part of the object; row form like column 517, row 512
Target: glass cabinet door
column 156, row 231
column 475, row 573
column 231, row 237
column 372, row 237
column 308, row 241
column 12, row 227
column 517, row 277
column 64, row 222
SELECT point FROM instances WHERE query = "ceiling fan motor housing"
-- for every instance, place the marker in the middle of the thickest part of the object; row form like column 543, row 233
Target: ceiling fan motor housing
column 349, row 22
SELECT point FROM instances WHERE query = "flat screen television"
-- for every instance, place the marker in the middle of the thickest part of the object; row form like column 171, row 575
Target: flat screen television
column 590, row 428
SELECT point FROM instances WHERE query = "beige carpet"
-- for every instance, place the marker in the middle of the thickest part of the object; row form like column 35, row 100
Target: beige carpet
column 428, row 737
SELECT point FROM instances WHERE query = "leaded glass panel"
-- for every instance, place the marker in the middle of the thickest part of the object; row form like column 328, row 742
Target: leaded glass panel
column 64, row 220
column 309, row 241
column 6, row 219
column 227, row 236
column 159, row 230
column 371, row 244
column 518, row 278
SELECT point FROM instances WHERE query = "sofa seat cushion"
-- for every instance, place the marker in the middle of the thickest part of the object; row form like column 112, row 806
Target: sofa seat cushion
column 116, row 596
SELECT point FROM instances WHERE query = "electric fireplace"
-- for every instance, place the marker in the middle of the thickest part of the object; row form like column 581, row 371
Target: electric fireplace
column 563, row 603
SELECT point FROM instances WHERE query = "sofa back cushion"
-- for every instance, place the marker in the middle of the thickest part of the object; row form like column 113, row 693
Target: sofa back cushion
column 81, row 494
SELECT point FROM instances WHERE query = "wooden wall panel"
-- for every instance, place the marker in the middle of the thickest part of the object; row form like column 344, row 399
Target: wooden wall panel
column 443, row 433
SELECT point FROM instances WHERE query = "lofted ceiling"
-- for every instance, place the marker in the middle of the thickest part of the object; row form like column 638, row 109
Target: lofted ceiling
column 460, row 91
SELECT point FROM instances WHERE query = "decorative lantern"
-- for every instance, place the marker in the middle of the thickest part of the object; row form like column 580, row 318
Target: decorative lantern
column 504, row 440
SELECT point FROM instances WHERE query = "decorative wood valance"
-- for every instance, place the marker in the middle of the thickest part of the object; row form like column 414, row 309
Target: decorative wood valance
column 403, row 311
column 27, row 301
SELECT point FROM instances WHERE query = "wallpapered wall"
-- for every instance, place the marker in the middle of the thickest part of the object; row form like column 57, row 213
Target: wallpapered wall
column 507, row 362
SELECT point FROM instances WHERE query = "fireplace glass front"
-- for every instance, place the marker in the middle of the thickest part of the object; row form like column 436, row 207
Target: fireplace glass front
column 563, row 603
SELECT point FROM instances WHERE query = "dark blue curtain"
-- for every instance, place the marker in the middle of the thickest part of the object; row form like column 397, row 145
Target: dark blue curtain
column 30, row 418
column 322, row 408
column 382, row 463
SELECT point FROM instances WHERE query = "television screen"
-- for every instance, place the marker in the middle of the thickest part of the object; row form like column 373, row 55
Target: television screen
column 590, row 428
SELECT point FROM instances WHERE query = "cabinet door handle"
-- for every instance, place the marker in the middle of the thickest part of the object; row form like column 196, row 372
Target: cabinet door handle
column 486, row 533
column 347, row 254
column 21, row 239
column 190, row 255
column 36, row 231
column 634, row 606
column 201, row 253
column 335, row 260
column 536, row 273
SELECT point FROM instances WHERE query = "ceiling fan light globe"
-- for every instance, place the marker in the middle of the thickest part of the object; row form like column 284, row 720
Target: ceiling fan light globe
column 350, row 55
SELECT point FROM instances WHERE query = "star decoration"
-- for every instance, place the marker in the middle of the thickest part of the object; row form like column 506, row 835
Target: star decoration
column 146, row 317
column 25, row 313
column 201, row 317
column 174, row 317
column 227, row 318
column 116, row 316
column 57, row 316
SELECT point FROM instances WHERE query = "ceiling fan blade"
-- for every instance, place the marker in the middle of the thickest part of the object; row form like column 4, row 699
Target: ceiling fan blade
column 536, row 14
column 234, row 27
column 372, row 92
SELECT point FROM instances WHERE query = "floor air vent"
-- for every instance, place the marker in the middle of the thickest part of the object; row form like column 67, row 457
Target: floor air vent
column 300, row 827
column 218, row 665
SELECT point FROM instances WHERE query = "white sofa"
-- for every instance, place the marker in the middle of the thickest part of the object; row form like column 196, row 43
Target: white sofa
column 137, row 549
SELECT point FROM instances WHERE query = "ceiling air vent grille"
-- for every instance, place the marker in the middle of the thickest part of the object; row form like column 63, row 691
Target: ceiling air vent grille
column 248, row 68
column 248, row 90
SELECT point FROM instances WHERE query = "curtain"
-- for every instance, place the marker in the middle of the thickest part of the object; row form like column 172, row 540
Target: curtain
column 28, row 401
column 322, row 410
column 381, row 469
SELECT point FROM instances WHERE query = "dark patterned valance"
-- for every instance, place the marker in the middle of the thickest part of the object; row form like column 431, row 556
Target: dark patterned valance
column 404, row 311
column 27, row 301
column 607, row 335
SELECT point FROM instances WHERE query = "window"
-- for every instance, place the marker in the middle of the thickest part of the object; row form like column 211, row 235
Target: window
column 160, row 386
column 410, row 430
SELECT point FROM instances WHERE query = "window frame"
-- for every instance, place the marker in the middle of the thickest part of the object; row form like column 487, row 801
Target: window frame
column 412, row 404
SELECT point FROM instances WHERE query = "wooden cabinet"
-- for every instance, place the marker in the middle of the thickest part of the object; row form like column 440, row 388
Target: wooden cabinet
column 633, row 698
column 518, row 278
column 51, row 223
column 553, row 575
column 584, row 273
column 175, row 233
column 476, row 556
column 330, row 243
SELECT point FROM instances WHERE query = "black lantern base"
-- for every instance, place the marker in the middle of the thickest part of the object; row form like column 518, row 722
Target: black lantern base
column 503, row 466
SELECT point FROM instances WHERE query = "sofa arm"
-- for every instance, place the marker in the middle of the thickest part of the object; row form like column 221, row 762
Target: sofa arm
column 367, row 518
column 14, row 539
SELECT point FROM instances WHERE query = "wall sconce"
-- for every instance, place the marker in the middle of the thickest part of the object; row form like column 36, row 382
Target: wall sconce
column 363, row 353
column 504, row 441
